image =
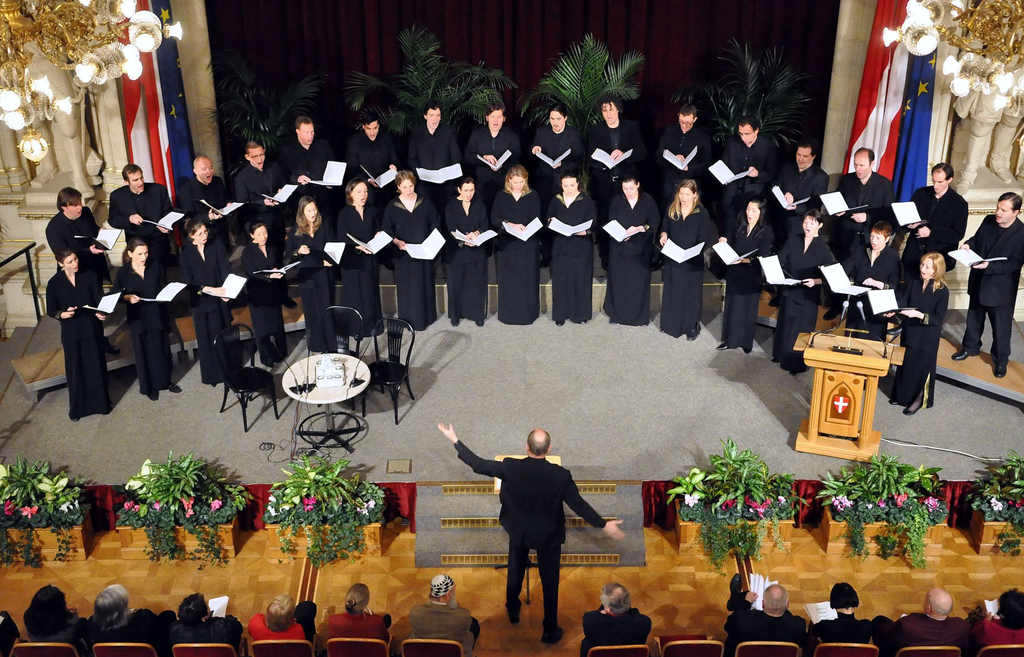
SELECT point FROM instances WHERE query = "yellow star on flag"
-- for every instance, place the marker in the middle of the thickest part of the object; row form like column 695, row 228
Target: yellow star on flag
column 922, row 88
column 907, row 108
column 165, row 15
column 931, row 62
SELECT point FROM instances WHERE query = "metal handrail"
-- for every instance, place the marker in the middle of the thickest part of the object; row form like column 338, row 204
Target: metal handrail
column 31, row 277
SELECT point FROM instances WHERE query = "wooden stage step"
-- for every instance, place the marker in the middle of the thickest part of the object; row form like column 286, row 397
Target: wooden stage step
column 976, row 372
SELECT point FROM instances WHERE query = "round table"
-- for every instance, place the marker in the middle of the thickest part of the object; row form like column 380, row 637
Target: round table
column 355, row 377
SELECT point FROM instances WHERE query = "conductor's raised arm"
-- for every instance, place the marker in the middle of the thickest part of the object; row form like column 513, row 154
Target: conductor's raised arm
column 479, row 465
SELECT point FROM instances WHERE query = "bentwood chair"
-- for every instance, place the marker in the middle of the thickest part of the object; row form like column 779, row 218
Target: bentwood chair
column 281, row 648
column 123, row 650
column 431, row 648
column 846, row 650
column 30, row 649
column 767, row 649
column 346, row 647
column 1007, row 650
column 390, row 370
column 342, row 329
column 619, row 651
column 234, row 350
column 929, row 651
column 699, row 646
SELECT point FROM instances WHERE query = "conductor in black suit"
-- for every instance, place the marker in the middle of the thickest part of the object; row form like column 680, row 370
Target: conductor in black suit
column 532, row 493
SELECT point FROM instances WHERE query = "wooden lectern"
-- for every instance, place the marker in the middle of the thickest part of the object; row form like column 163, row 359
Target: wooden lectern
column 845, row 388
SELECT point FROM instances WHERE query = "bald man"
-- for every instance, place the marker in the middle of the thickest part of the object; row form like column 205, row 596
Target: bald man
column 533, row 492
column 931, row 627
column 773, row 622
column 210, row 188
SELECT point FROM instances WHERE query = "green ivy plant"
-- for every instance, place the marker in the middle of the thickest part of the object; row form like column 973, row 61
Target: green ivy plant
column 35, row 497
column 186, row 492
column 328, row 508
column 999, row 495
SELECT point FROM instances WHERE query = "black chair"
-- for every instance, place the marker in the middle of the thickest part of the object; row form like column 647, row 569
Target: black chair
column 389, row 371
column 247, row 381
column 342, row 326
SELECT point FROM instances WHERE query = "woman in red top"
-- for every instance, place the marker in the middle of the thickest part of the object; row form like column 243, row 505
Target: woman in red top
column 358, row 622
column 1006, row 628
column 285, row 620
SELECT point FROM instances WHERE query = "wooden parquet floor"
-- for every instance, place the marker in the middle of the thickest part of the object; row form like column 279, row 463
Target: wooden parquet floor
column 678, row 592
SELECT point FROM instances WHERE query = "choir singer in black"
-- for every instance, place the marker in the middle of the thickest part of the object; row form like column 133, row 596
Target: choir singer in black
column 552, row 141
column 210, row 188
column 253, row 184
column 572, row 256
column 412, row 218
column 465, row 263
column 137, row 207
column 943, row 224
column 798, row 180
column 518, row 261
column 680, row 140
column 490, row 142
column 304, row 160
column 204, row 268
column 876, row 267
column 265, row 294
column 747, row 151
column 432, row 146
column 628, row 297
column 306, row 242
column 73, row 228
column 750, row 231
column 360, row 276
column 371, row 152
column 687, row 223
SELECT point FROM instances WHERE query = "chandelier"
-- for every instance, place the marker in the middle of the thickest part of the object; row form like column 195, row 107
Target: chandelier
column 99, row 40
column 989, row 34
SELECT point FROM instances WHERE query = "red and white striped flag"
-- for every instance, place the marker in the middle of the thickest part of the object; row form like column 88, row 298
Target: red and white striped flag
column 876, row 123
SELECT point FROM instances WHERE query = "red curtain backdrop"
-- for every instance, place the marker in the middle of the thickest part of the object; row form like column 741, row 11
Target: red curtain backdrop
column 285, row 41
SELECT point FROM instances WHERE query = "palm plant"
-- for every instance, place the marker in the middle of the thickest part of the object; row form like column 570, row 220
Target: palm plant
column 759, row 83
column 579, row 77
column 253, row 111
column 463, row 90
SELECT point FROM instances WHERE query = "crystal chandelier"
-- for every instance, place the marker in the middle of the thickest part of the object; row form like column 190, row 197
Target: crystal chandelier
column 989, row 34
column 84, row 36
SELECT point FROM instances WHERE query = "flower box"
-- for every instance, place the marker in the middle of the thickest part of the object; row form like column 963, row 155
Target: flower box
column 134, row 541
column 45, row 541
column 688, row 536
column 371, row 540
column 834, row 532
column 984, row 532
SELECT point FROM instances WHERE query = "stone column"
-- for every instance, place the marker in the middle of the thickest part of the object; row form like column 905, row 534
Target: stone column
column 110, row 133
column 194, row 55
column 16, row 178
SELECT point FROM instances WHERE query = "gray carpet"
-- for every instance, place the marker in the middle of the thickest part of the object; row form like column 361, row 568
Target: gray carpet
column 620, row 403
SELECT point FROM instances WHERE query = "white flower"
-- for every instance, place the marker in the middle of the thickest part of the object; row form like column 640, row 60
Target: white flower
column 995, row 504
column 371, row 504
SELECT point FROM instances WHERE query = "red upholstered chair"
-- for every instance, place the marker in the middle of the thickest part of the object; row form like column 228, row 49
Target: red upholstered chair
column 281, row 648
column 204, row 650
column 123, row 650
column 431, row 648
column 699, row 646
column 342, row 647
column 29, row 649
column 665, row 639
column 1014, row 650
column 929, row 651
column 768, row 649
column 619, row 651
column 845, row 650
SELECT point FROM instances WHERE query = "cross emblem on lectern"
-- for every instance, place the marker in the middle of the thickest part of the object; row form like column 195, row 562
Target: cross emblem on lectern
column 840, row 403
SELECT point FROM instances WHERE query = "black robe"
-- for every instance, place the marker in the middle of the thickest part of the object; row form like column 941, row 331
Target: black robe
column 625, row 137
column 627, row 297
column 677, row 142
column 315, row 287
column 488, row 181
column 250, row 185
column 148, row 324
column 216, row 194
column 682, row 297
column 518, row 262
column 210, row 315
column 877, row 195
column 360, row 275
column 62, row 232
column 743, row 284
column 947, row 225
column 572, row 261
column 152, row 204
column 81, row 337
column 265, row 296
column 432, row 152
column 297, row 160
column 375, row 156
column 858, row 268
column 763, row 156
column 414, row 279
column 811, row 182
column 798, row 312
column 466, row 266
column 545, row 180
column 920, row 338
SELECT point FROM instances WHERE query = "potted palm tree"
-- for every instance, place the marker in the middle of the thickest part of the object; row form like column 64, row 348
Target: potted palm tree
column 181, row 509
column 319, row 513
column 997, row 524
column 43, row 518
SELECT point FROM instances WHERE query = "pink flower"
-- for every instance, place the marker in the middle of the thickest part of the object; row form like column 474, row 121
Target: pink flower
column 187, row 503
column 308, row 503
column 881, row 504
column 156, row 506
column 9, row 508
column 189, row 513
column 900, row 499
column 29, row 511
column 131, row 506
column 728, row 504
column 216, row 504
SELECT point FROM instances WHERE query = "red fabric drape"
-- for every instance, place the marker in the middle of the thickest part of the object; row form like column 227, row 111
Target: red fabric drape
column 811, row 512
column 957, row 494
column 656, row 508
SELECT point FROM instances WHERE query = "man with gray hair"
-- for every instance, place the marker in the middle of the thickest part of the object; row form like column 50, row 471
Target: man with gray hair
column 773, row 622
column 931, row 627
column 615, row 622
column 443, row 618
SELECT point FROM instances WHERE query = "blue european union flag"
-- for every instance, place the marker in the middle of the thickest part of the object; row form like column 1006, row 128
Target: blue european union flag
column 911, row 169
column 179, row 136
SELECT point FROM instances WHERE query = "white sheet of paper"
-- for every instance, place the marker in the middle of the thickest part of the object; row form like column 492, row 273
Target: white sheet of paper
column 616, row 230
column 218, row 606
column 439, row 175
column 428, row 249
column 673, row 159
column 992, row 606
column 531, row 229
column 501, row 160
column 232, row 285
column 379, row 241
column 781, row 198
column 728, row 254
column 167, row 221
column 335, row 249
column 882, row 301
column 552, row 163
column 282, row 270
column 758, row 584
column 679, row 254
column 724, row 174
column 282, row 194
column 773, row 273
column 480, row 239
column 224, row 211
column 167, row 294
column 383, row 179
column 563, row 228
column 334, row 174
column 906, row 213
column 968, row 258
column 606, row 159
column 836, row 278
column 107, row 237
column 107, row 303
column 819, row 611
column 835, row 203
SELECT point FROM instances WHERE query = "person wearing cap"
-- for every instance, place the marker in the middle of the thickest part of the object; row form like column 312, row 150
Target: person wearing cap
column 442, row 617
column 533, row 492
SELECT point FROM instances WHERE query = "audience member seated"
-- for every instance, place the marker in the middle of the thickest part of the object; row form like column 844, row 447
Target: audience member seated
column 114, row 622
column 358, row 622
column 932, row 627
column 615, row 623
column 285, row 620
column 774, row 623
column 49, row 619
column 195, row 625
column 443, row 618
column 847, row 628
column 1004, row 628
column 9, row 633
